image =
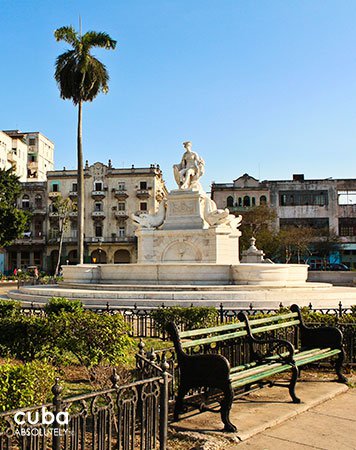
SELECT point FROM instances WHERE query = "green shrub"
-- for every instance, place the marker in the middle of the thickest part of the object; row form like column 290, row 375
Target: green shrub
column 57, row 305
column 94, row 339
column 189, row 318
column 9, row 308
column 24, row 385
column 27, row 337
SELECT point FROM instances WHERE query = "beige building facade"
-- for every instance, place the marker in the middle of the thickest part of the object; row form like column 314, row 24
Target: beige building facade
column 31, row 154
column 318, row 203
column 111, row 195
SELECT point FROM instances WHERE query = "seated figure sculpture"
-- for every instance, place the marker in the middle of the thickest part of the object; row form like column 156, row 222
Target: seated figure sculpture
column 189, row 170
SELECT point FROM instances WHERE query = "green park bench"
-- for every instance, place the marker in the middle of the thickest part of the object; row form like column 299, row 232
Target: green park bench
column 209, row 358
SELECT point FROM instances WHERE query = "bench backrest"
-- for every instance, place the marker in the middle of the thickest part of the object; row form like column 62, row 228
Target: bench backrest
column 220, row 333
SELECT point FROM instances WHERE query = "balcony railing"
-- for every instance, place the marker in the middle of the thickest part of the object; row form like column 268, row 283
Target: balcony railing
column 121, row 214
column 120, row 194
column 142, row 193
column 53, row 194
column 98, row 215
column 98, row 194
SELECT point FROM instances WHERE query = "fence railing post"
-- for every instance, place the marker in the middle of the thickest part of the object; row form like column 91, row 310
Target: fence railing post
column 56, row 438
column 221, row 313
column 163, row 430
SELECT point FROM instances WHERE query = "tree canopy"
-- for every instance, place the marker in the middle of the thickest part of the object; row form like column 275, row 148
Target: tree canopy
column 12, row 220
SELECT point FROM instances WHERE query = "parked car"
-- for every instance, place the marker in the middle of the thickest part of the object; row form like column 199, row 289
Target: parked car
column 337, row 266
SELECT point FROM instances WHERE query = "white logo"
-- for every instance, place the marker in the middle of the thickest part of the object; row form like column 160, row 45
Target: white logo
column 43, row 417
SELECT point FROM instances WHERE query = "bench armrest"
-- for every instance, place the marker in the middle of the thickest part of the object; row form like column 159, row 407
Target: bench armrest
column 319, row 337
column 275, row 343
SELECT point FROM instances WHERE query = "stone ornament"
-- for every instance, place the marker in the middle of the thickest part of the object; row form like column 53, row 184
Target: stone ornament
column 146, row 220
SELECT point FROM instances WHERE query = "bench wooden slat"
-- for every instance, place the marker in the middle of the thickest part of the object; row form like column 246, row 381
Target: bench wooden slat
column 271, row 319
column 209, row 340
column 271, row 358
column 269, row 371
column 210, row 330
column 275, row 326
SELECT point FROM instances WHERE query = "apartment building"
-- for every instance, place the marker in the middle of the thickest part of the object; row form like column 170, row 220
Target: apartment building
column 29, row 250
column 111, row 195
column 31, row 154
column 321, row 203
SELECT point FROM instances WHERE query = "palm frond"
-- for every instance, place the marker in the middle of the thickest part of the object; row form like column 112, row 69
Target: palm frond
column 98, row 39
column 67, row 34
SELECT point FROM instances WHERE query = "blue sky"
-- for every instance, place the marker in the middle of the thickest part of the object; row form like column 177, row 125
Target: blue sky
column 263, row 87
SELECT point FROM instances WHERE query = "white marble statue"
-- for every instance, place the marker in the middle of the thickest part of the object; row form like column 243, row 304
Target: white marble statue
column 146, row 220
column 215, row 216
column 191, row 168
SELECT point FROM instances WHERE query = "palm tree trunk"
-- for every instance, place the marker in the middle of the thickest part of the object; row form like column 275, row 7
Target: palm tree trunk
column 61, row 233
column 80, row 181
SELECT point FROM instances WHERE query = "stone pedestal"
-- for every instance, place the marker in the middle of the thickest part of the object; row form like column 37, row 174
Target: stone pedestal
column 185, row 209
column 219, row 245
column 185, row 237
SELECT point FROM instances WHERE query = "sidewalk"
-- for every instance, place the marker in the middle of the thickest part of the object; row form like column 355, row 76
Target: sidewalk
column 267, row 420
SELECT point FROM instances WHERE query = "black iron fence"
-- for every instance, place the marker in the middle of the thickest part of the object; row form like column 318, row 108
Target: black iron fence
column 143, row 324
column 129, row 417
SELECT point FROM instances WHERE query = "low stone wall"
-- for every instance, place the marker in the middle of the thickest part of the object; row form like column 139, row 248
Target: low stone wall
column 335, row 277
column 272, row 275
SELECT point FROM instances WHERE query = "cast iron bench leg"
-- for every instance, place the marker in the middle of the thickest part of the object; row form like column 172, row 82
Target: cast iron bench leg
column 338, row 367
column 226, row 407
column 293, row 381
column 178, row 406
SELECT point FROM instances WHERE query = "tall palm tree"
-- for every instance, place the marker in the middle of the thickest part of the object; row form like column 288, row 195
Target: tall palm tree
column 80, row 78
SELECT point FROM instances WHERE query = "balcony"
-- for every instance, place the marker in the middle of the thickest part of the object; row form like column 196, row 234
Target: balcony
column 73, row 214
column 142, row 193
column 39, row 211
column 98, row 215
column 73, row 194
column 121, row 214
column 30, row 240
column 53, row 194
column 98, row 195
column 120, row 194
column 11, row 157
column 53, row 214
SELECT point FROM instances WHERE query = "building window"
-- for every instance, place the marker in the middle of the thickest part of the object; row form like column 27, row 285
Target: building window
column 38, row 228
column 55, row 187
column 98, row 230
column 74, row 229
column 347, row 226
column 32, row 141
column 346, row 197
column 303, row 198
column 121, row 232
column 25, row 202
column 316, row 223
column 230, row 202
column 143, row 185
column 143, row 206
column 240, row 201
column 253, row 201
column 247, row 201
column 121, row 206
column 38, row 201
column 98, row 206
column 98, row 186
column 121, row 186
column 263, row 200
column 74, row 187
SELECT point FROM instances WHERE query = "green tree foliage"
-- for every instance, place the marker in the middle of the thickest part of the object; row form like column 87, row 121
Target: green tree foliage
column 62, row 208
column 80, row 78
column 258, row 222
column 296, row 242
column 190, row 318
column 13, row 221
column 24, row 385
